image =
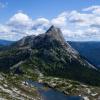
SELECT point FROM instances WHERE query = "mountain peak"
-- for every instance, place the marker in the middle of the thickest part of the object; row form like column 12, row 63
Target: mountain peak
column 55, row 33
column 52, row 27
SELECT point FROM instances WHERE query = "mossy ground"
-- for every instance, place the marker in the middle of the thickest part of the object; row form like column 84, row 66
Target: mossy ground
column 12, row 88
column 73, row 88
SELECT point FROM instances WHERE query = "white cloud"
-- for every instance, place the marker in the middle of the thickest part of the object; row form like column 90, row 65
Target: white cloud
column 20, row 19
column 61, row 20
column 93, row 9
column 41, row 24
column 80, row 25
column 75, row 25
column 21, row 25
column 4, row 29
column 42, row 21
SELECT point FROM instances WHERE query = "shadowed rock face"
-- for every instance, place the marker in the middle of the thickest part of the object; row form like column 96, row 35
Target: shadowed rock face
column 55, row 33
column 26, row 41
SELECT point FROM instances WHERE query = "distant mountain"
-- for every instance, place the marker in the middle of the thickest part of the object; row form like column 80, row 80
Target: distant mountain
column 50, row 55
column 89, row 50
column 5, row 42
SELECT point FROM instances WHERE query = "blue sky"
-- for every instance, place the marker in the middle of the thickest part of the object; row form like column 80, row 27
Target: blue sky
column 42, row 8
column 78, row 19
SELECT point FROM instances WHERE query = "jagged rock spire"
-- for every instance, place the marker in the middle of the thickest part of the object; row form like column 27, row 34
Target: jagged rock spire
column 55, row 33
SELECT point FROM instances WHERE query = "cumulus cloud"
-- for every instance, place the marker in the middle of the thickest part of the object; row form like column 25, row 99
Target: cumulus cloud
column 93, row 9
column 75, row 25
column 82, row 25
column 20, row 19
column 21, row 24
column 61, row 20
column 41, row 24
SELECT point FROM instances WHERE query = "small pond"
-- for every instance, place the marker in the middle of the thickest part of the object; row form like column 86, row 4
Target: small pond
column 51, row 94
